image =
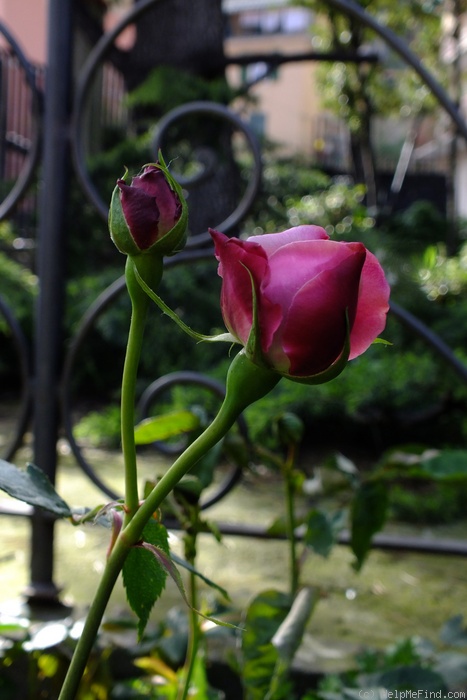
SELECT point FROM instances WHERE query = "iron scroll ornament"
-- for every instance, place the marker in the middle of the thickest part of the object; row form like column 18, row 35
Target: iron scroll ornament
column 191, row 256
column 33, row 150
column 225, row 116
column 25, row 406
column 233, row 120
column 102, row 303
column 191, row 109
column 151, row 394
column 7, row 205
column 83, row 90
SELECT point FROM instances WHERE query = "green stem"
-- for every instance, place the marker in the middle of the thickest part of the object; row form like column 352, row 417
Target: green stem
column 195, row 633
column 150, row 269
column 93, row 621
column 128, row 537
column 135, row 341
column 246, row 383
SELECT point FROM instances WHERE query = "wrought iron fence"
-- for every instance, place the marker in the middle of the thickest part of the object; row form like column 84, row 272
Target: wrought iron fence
column 46, row 372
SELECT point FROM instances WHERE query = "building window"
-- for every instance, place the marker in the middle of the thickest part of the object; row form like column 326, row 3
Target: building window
column 255, row 72
column 287, row 20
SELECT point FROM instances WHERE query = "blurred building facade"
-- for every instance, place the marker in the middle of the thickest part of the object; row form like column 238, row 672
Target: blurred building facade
column 27, row 21
column 285, row 106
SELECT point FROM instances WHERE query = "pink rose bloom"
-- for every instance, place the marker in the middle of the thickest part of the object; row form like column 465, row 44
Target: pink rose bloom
column 305, row 284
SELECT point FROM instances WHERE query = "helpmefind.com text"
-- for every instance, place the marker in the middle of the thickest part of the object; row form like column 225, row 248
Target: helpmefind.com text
column 384, row 694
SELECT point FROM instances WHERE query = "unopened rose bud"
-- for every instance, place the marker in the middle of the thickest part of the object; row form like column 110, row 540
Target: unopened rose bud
column 148, row 213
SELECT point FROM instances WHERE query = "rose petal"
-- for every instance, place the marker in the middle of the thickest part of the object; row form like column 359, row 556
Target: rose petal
column 237, row 260
column 272, row 241
column 372, row 308
column 149, row 181
column 314, row 330
column 141, row 214
column 152, row 181
column 297, row 263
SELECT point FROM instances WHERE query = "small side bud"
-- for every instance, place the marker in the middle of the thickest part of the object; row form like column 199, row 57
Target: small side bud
column 148, row 213
column 290, row 429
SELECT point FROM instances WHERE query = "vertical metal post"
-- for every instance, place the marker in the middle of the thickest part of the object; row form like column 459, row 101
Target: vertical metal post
column 50, row 268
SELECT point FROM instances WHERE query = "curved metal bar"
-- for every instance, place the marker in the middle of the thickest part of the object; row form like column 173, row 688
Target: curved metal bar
column 194, row 378
column 82, row 92
column 351, row 8
column 431, row 338
column 209, row 108
column 102, row 302
column 25, row 371
column 354, row 10
column 25, row 177
column 222, row 112
column 348, row 7
column 106, row 298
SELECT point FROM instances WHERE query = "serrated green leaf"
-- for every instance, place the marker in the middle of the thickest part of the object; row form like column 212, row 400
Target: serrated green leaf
column 263, row 618
column 143, row 575
column 166, row 426
column 368, row 515
column 166, row 562
column 32, row 486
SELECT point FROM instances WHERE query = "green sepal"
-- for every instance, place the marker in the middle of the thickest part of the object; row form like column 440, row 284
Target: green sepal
column 381, row 341
column 149, row 267
column 222, row 337
column 166, row 562
column 246, row 383
column 173, row 241
column 253, row 344
column 118, row 227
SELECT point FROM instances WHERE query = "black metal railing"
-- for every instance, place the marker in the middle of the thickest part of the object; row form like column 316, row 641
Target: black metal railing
column 58, row 123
